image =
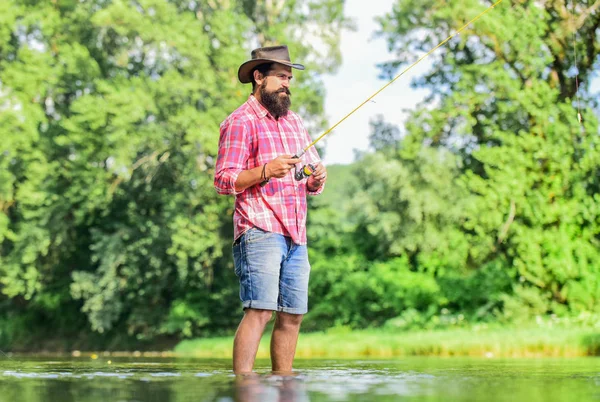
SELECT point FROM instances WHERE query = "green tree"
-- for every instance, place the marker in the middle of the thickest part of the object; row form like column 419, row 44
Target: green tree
column 504, row 103
column 110, row 116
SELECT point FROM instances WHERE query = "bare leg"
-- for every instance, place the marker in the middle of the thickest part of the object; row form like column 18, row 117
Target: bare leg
column 284, row 340
column 247, row 338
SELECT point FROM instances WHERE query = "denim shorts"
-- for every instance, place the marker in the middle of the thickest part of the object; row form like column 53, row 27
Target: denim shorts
column 273, row 272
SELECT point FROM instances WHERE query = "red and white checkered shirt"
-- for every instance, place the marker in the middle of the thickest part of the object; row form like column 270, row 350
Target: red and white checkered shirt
column 251, row 137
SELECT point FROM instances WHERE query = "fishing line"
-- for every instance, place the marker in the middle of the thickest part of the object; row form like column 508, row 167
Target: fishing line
column 575, row 61
column 7, row 355
column 300, row 153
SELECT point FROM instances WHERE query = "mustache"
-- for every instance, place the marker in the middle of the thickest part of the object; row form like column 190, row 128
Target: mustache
column 287, row 91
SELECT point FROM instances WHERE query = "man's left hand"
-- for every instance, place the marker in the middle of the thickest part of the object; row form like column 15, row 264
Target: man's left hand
column 316, row 180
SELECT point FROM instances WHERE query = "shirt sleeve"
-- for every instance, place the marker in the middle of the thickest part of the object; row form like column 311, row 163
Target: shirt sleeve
column 234, row 146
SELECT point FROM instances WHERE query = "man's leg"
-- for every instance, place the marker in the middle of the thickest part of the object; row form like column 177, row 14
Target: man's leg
column 247, row 338
column 257, row 257
column 292, row 304
column 284, row 340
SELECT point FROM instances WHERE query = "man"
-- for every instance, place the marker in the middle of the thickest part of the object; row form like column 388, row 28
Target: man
column 255, row 163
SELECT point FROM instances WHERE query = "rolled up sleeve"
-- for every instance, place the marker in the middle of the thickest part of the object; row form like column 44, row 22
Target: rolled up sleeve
column 232, row 157
column 319, row 190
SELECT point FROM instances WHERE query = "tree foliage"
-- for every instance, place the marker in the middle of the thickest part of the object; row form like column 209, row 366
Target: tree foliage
column 110, row 113
column 483, row 207
column 495, row 173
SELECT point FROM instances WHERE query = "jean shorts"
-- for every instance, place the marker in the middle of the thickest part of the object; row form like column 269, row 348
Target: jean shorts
column 273, row 272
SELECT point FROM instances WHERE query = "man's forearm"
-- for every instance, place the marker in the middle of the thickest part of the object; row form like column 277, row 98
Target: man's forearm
column 248, row 178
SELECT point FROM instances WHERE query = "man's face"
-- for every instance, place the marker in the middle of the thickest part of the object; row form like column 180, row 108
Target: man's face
column 275, row 90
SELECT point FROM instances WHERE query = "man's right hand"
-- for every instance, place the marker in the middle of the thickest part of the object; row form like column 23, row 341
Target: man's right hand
column 280, row 166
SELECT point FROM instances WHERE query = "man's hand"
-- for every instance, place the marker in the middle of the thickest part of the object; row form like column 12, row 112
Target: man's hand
column 316, row 180
column 280, row 166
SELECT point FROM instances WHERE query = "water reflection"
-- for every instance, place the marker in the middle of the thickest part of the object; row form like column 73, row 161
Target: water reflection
column 270, row 388
column 190, row 380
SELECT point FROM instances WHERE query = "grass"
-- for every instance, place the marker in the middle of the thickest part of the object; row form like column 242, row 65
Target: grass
column 477, row 341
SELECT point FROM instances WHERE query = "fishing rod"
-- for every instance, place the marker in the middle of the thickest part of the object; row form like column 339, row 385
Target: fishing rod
column 308, row 169
column 579, row 118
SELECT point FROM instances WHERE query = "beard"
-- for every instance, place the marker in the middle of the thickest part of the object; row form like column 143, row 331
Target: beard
column 276, row 104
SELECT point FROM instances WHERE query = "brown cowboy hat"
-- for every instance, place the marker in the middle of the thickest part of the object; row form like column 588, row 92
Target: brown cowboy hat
column 262, row 55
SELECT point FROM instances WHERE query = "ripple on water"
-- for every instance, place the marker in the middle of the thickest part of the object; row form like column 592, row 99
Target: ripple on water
column 165, row 374
column 18, row 374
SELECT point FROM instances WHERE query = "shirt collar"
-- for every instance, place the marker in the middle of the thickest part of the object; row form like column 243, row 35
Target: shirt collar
column 259, row 109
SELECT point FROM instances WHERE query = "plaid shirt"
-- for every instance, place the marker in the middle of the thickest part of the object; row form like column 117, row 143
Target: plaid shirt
column 251, row 137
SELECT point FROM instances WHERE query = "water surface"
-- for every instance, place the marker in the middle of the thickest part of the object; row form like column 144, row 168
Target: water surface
column 83, row 379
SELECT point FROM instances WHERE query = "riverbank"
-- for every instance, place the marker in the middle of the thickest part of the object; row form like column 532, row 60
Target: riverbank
column 476, row 341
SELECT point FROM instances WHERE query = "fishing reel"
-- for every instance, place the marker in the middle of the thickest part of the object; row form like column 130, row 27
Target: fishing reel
column 305, row 172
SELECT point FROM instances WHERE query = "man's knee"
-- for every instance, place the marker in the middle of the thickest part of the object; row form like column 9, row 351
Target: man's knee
column 262, row 316
column 287, row 319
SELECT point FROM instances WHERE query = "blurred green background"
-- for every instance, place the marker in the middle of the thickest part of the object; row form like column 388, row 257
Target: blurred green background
column 483, row 209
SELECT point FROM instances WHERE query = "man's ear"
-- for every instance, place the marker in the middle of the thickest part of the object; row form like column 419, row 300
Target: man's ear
column 258, row 77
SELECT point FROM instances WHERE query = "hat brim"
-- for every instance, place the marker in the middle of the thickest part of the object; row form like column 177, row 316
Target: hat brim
column 247, row 67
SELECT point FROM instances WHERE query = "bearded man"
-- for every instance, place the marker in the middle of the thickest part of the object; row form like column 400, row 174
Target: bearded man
column 256, row 163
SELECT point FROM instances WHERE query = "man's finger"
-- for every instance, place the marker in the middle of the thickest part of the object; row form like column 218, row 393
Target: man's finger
column 319, row 171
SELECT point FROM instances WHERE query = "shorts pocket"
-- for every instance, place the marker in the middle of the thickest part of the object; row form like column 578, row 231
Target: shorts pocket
column 256, row 235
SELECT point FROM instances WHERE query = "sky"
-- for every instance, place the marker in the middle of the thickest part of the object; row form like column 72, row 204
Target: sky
column 356, row 80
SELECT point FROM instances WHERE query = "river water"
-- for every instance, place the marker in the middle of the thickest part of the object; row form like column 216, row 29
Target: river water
column 86, row 379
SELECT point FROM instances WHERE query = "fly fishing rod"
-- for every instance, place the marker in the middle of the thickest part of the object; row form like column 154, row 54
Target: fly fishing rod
column 308, row 170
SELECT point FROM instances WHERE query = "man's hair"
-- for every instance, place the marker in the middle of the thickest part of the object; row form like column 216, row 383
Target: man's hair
column 263, row 69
